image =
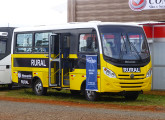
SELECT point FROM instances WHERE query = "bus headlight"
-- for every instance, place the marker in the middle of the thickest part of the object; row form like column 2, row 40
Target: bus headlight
column 149, row 73
column 109, row 73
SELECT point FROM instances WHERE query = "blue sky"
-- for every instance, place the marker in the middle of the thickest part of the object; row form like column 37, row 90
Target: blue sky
column 20, row 13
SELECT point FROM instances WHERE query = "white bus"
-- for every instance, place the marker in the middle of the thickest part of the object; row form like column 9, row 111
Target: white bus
column 5, row 55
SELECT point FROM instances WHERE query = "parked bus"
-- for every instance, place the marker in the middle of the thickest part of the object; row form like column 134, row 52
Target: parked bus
column 5, row 55
column 55, row 57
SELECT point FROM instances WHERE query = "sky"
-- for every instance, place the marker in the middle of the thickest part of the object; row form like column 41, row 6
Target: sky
column 22, row 13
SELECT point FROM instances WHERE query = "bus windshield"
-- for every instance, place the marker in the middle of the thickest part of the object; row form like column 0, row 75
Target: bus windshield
column 124, row 42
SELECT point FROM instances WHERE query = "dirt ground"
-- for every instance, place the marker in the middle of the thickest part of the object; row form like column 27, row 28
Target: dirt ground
column 106, row 106
column 155, row 92
column 28, row 109
column 38, row 111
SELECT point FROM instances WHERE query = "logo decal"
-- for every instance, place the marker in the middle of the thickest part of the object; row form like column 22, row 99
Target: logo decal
column 132, row 76
column 25, row 78
column 137, row 5
column 90, row 60
column 19, row 75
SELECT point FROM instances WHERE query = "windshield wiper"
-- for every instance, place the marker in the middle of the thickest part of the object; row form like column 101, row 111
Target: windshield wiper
column 135, row 49
column 121, row 51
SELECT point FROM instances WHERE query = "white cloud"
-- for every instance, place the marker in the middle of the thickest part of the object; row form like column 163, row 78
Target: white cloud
column 32, row 12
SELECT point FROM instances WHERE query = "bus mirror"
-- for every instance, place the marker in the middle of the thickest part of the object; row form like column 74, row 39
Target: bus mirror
column 93, row 31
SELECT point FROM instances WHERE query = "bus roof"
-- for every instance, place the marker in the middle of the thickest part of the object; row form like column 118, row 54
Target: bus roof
column 73, row 25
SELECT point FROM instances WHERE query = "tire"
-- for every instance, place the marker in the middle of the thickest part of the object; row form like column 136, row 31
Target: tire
column 39, row 89
column 10, row 86
column 83, row 86
column 91, row 95
column 131, row 96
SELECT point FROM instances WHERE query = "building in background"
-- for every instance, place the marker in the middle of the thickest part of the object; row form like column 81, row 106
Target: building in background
column 143, row 12
column 156, row 36
column 110, row 11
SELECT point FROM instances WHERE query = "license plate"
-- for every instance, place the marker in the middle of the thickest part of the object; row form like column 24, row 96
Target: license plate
column 133, row 69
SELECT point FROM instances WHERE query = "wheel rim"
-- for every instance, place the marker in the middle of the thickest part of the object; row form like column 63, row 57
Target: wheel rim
column 90, row 94
column 38, row 87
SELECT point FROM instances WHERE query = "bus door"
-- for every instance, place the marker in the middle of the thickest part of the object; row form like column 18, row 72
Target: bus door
column 54, row 61
column 59, row 63
column 65, row 61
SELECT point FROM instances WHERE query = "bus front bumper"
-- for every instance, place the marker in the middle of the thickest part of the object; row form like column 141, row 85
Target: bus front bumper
column 119, row 85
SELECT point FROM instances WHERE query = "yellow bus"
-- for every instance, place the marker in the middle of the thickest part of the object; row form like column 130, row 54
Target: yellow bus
column 55, row 57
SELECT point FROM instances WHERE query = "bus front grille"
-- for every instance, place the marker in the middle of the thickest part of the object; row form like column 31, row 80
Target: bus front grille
column 133, row 83
column 131, row 78
column 131, row 86
column 127, row 76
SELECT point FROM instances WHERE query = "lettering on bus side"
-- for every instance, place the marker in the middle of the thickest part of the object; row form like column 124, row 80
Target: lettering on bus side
column 38, row 63
column 31, row 62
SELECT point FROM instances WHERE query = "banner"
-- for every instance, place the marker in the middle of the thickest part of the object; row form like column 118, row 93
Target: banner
column 138, row 5
column 91, row 72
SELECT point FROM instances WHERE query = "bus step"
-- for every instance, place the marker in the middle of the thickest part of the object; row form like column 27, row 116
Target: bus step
column 55, row 60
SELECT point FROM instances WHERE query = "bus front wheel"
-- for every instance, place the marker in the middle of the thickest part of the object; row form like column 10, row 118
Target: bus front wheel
column 91, row 95
column 39, row 89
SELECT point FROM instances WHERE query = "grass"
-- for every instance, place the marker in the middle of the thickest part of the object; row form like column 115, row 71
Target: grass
column 65, row 95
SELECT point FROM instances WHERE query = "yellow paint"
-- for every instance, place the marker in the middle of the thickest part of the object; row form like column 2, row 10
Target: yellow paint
column 42, row 73
column 76, row 77
column 124, row 83
column 73, row 56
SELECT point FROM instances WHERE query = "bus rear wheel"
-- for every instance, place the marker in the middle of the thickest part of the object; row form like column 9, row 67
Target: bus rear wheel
column 131, row 96
column 91, row 95
column 39, row 89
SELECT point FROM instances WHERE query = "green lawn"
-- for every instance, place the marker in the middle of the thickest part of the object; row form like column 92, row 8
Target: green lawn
column 65, row 95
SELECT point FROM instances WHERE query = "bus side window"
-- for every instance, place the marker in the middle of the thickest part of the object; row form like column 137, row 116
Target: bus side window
column 3, row 46
column 41, row 42
column 87, row 43
column 24, row 42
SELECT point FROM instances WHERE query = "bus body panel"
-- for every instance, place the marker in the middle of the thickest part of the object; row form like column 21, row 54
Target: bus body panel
column 123, row 82
column 77, row 74
column 41, row 73
column 76, row 78
column 5, row 56
column 5, row 70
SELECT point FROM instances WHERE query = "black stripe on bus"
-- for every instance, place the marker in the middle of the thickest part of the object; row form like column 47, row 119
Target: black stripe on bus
column 31, row 62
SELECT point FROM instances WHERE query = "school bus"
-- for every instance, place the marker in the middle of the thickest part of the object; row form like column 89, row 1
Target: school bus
column 55, row 57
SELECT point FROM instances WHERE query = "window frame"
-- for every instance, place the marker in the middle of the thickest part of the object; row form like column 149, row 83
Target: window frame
column 15, row 43
column 6, row 39
column 33, row 42
column 96, row 42
column 33, row 48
